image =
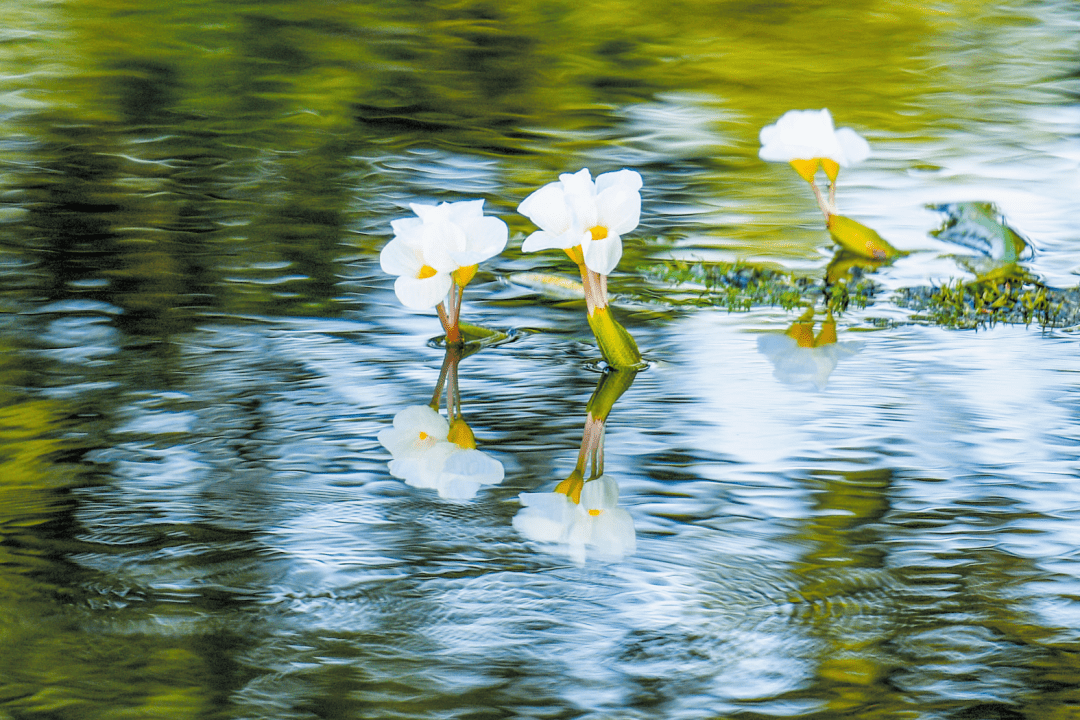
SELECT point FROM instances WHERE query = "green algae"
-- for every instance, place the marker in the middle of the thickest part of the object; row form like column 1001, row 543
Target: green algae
column 739, row 286
column 1008, row 295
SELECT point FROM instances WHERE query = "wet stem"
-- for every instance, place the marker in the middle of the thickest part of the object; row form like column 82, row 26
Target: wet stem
column 595, row 286
column 450, row 314
column 448, row 378
column 592, row 448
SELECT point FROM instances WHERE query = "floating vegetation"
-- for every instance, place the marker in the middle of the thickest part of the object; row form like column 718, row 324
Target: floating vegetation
column 741, row 286
column 1000, row 297
column 988, row 301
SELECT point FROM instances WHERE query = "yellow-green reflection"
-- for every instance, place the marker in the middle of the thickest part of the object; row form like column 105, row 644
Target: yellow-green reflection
column 981, row 227
column 842, row 567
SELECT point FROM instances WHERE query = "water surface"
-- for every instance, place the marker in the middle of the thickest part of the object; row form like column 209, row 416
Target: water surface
column 198, row 351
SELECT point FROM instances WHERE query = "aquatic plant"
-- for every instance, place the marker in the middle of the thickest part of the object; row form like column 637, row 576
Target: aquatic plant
column 807, row 140
column 587, row 220
column 436, row 254
column 984, row 302
column 742, row 286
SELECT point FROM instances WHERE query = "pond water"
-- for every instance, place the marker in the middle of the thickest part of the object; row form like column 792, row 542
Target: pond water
column 199, row 353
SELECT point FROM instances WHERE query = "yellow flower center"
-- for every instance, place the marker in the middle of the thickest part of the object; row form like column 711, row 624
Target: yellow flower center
column 595, row 512
column 424, row 435
column 598, row 233
column 426, row 271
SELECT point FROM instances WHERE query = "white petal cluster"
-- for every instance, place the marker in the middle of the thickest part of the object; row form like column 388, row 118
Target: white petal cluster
column 809, row 135
column 577, row 211
column 426, row 249
column 595, row 527
column 424, row 458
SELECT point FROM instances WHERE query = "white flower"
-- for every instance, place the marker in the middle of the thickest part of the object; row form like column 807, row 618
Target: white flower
column 423, row 456
column 576, row 211
column 594, row 527
column 809, row 135
column 442, row 239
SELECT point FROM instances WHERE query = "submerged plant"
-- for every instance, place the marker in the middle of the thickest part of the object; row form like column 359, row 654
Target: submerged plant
column 436, row 254
column 991, row 299
column 587, row 220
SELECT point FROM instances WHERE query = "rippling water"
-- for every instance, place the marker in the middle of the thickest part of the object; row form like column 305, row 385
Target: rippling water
column 198, row 352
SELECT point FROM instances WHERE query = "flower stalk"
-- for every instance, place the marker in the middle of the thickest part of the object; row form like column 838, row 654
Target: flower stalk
column 586, row 219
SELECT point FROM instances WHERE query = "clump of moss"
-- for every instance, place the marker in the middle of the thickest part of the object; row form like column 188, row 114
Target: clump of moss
column 1006, row 294
column 740, row 286
column 1017, row 299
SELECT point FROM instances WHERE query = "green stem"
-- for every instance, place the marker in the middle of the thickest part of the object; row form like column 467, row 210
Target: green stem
column 616, row 344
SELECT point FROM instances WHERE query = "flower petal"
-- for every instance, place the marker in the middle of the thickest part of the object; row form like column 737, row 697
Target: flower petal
column 544, row 517
column 625, row 179
column 439, row 240
column 475, row 464
column 426, row 470
column 398, row 257
column 406, row 226
column 580, row 193
column 423, row 293
column 600, row 494
column 541, row 240
column 613, row 534
column 618, row 209
column 485, row 238
column 464, row 471
column 601, row 256
column 854, row 145
column 548, row 210
column 800, row 135
column 430, row 213
column 461, row 213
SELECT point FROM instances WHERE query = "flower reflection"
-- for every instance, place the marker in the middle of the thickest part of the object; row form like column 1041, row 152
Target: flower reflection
column 980, row 226
column 595, row 525
column 801, row 358
column 807, row 140
column 433, row 452
column 581, row 517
